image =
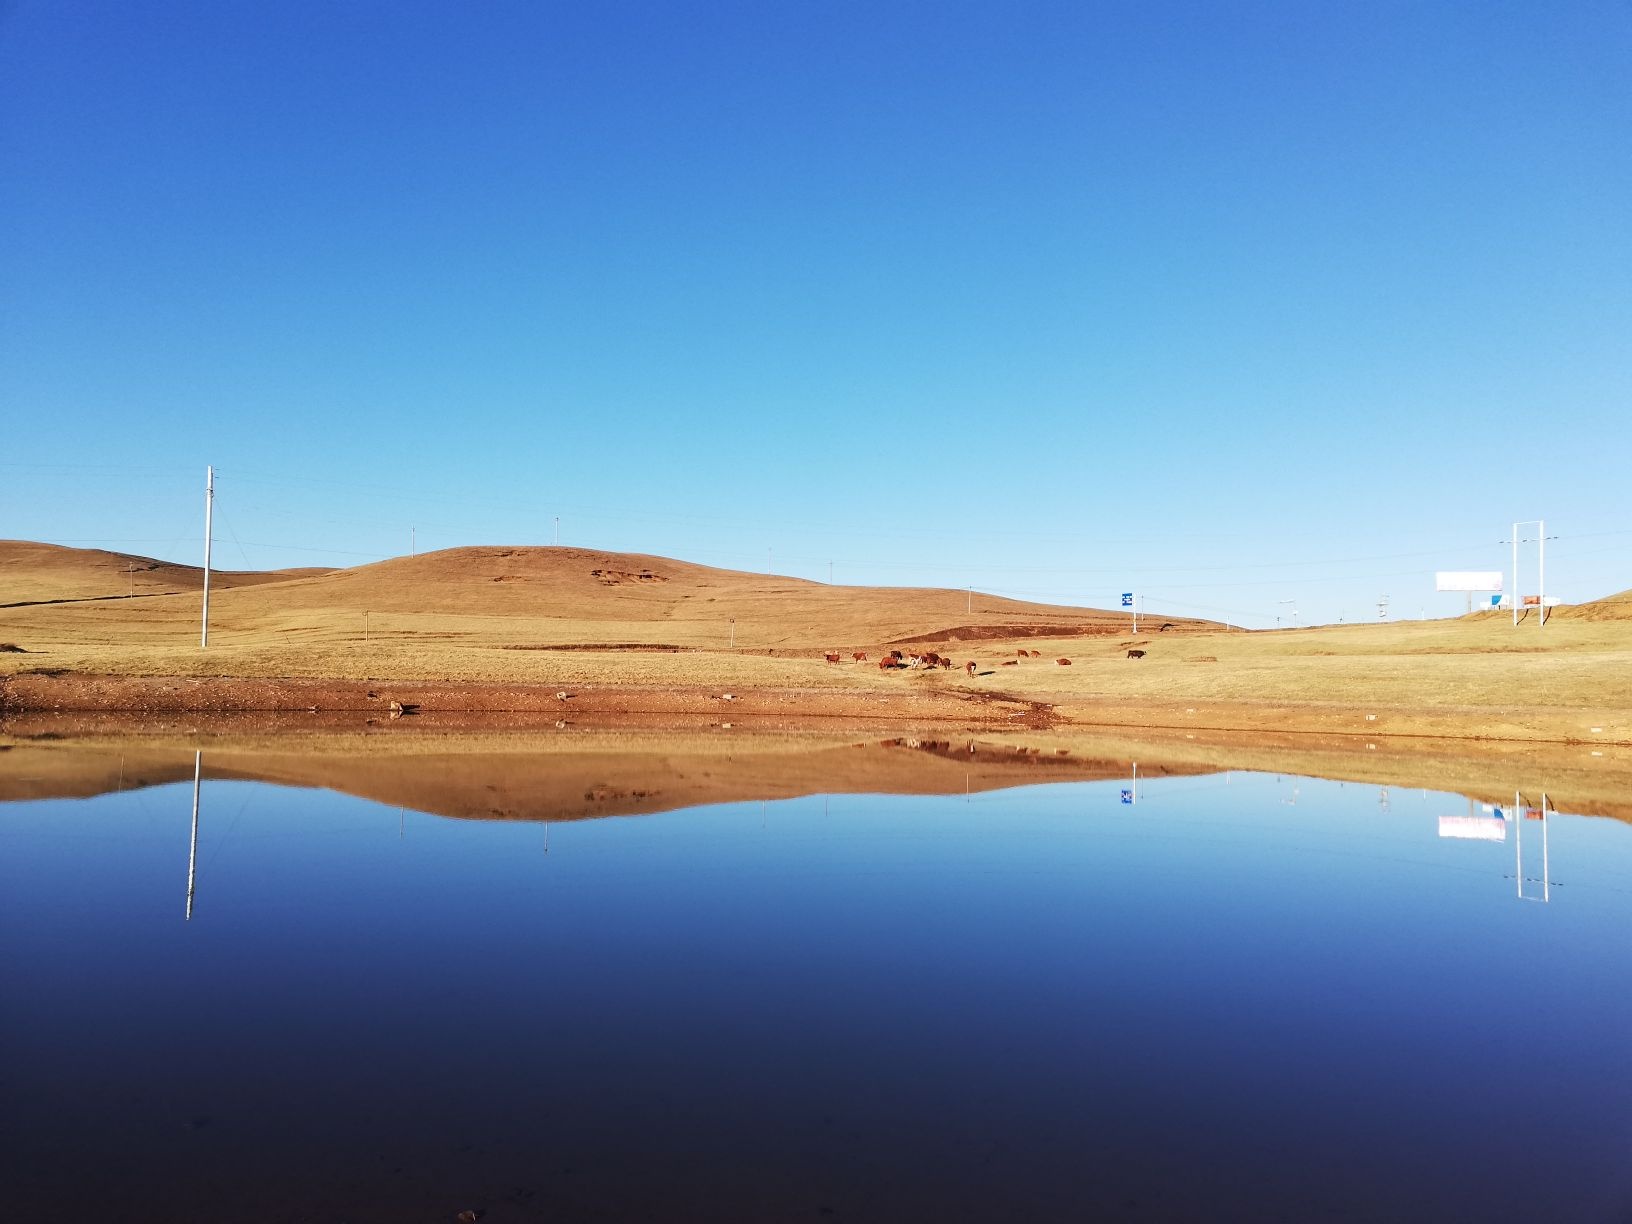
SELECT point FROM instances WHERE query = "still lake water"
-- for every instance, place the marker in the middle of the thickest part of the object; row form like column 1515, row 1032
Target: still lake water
column 1243, row 997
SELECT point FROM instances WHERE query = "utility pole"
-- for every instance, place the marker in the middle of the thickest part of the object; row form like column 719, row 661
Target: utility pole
column 558, row 531
column 209, row 514
column 830, row 573
column 413, row 541
column 969, row 600
column 767, row 563
column 733, row 633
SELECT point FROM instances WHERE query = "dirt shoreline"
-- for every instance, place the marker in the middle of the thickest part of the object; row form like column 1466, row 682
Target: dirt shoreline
column 289, row 702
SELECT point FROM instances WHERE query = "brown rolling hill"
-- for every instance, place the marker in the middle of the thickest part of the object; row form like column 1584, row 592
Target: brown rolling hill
column 524, row 597
column 33, row 573
column 557, row 618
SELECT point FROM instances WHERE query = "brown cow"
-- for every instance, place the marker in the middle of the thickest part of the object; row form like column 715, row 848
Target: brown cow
column 1136, row 654
column 1021, row 654
column 860, row 656
column 1011, row 663
column 969, row 667
column 1063, row 662
column 832, row 656
column 946, row 663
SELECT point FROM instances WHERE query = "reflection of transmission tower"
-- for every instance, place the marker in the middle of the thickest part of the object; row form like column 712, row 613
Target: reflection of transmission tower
column 1520, row 815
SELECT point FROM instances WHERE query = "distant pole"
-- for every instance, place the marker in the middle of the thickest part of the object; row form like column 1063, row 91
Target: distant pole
column 558, row 531
column 767, row 562
column 733, row 632
column 192, row 851
column 830, row 573
column 413, row 541
column 969, row 600
column 1136, row 613
column 1541, row 574
column 209, row 513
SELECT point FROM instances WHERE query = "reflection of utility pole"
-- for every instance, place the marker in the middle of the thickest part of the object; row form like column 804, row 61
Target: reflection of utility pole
column 192, row 849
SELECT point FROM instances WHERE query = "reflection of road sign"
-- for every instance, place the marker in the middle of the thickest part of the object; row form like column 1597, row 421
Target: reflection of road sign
column 1127, row 795
column 1127, row 599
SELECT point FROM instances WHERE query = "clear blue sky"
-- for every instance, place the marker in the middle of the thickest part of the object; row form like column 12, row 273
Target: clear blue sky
column 1227, row 303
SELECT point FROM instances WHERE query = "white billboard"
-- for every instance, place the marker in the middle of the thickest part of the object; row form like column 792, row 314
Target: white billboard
column 1468, row 580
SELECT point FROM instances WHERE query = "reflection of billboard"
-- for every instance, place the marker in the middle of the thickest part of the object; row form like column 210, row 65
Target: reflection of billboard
column 1468, row 580
column 1473, row 828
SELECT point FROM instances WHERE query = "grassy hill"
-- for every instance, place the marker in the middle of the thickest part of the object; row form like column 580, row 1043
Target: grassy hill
column 502, row 597
column 576, row 616
column 51, row 573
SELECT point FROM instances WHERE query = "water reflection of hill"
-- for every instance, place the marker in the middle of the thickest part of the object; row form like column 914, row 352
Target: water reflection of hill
column 578, row 774
column 563, row 781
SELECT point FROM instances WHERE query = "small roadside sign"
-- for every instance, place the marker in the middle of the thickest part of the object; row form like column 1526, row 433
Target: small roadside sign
column 1127, row 599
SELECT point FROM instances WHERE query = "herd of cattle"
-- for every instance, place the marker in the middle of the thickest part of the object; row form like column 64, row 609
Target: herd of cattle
column 913, row 662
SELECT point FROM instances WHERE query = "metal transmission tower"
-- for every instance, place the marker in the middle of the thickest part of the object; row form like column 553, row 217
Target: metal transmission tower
column 1538, row 601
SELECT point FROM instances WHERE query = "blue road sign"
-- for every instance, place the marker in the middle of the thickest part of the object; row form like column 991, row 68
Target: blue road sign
column 1127, row 795
column 1127, row 599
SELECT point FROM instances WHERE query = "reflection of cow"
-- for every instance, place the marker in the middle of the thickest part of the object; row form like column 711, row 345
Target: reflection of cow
column 1063, row 662
column 1136, row 654
column 969, row 667
column 832, row 656
column 860, row 656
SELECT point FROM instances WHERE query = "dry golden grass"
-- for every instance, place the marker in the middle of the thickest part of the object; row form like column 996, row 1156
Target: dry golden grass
column 482, row 614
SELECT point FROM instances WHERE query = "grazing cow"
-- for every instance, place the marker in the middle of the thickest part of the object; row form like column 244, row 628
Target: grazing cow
column 860, row 656
column 1063, row 662
column 932, row 659
column 832, row 656
column 946, row 664
column 969, row 667
column 896, row 655
column 1021, row 654
column 1136, row 654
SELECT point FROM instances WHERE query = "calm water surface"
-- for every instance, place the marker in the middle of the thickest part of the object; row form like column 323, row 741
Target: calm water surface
column 1242, row 997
